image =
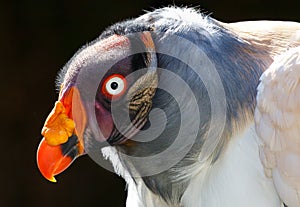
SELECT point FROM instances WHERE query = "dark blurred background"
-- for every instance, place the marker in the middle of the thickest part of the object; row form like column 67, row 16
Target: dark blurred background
column 37, row 39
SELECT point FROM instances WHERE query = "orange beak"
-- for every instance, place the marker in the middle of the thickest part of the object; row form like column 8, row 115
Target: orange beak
column 63, row 135
column 53, row 160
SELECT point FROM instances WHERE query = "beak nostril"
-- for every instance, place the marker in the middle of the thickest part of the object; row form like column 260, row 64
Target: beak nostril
column 67, row 148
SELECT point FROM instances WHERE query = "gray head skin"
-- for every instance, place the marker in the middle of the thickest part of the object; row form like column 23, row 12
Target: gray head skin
column 147, row 50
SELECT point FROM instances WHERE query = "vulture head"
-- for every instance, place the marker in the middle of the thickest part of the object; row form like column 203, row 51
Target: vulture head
column 161, row 96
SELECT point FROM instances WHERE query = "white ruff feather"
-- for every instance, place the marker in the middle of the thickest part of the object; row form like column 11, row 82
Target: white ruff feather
column 236, row 179
column 138, row 194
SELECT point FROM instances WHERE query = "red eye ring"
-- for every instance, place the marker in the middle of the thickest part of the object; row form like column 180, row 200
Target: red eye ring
column 114, row 86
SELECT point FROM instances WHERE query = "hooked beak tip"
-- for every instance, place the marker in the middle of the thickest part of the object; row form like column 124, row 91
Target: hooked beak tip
column 52, row 160
column 52, row 179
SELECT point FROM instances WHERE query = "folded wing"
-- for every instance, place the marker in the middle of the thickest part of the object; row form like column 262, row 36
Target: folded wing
column 277, row 118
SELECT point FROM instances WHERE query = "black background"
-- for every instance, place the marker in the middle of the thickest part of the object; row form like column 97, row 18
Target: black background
column 37, row 39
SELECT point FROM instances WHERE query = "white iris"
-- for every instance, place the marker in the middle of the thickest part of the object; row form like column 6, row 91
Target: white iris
column 115, row 86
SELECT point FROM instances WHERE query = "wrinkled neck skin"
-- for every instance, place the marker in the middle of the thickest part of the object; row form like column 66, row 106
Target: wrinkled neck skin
column 232, row 174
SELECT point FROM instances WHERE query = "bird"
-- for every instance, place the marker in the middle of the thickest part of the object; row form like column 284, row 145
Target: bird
column 190, row 111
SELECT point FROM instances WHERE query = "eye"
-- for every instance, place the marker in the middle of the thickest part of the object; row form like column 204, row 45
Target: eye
column 114, row 86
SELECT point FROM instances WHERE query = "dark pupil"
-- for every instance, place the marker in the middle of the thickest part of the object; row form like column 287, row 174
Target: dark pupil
column 114, row 85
